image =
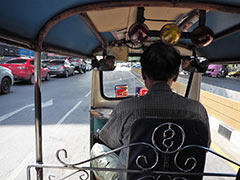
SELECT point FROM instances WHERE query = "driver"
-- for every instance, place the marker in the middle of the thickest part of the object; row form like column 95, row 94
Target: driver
column 160, row 67
column 107, row 64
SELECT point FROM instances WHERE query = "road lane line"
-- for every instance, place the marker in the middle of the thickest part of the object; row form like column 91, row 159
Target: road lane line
column 219, row 151
column 23, row 165
column 68, row 113
column 46, row 104
column 140, row 80
column 6, row 116
column 88, row 94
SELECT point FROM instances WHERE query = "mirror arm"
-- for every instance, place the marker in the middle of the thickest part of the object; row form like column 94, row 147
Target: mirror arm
column 189, row 84
column 140, row 15
column 202, row 17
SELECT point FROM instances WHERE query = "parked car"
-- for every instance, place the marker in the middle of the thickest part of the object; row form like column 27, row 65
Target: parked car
column 79, row 64
column 61, row 67
column 213, row 70
column 45, row 62
column 23, row 69
column 234, row 73
column 223, row 71
column 88, row 65
column 6, row 80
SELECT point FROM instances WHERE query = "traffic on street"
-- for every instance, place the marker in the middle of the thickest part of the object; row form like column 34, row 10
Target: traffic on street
column 65, row 104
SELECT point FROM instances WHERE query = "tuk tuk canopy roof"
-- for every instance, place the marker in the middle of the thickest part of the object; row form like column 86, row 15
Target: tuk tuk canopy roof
column 80, row 27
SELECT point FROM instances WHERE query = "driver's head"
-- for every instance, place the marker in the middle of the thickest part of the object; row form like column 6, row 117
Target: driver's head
column 110, row 60
column 160, row 62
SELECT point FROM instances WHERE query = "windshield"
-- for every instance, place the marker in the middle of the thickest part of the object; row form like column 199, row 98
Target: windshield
column 17, row 61
column 124, row 81
column 73, row 59
column 56, row 62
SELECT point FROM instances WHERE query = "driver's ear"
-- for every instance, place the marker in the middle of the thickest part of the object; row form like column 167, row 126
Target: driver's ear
column 176, row 76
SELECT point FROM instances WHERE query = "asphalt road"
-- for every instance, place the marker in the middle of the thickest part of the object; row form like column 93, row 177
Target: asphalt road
column 66, row 104
column 65, row 115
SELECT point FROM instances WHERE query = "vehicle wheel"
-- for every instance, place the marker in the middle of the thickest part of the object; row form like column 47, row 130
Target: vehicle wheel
column 47, row 78
column 81, row 71
column 73, row 73
column 5, row 85
column 84, row 70
column 66, row 74
column 31, row 80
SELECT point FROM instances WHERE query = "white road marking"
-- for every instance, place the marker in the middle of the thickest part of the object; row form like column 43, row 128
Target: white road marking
column 140, row 80
column 22, row 165
column 46, row 104
column 26, row 161
column 68, row 113
column 8, row 115
column 88, row 94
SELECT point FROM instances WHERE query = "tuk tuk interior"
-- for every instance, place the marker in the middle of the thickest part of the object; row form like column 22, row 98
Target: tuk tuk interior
column 208, row 29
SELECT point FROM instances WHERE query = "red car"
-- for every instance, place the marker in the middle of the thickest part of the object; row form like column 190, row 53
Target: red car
column 23, row 69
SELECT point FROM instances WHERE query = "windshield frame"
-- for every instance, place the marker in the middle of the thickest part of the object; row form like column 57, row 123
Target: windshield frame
column 106, row 97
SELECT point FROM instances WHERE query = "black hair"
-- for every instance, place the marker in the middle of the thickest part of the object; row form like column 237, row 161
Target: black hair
column 160, row 62
column 110, row 57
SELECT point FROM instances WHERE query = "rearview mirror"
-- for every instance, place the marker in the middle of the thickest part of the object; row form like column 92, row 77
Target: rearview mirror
column 194, row 64
column 106, row 64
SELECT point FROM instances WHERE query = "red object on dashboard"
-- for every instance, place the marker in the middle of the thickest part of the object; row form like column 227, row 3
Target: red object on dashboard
column 121, row 90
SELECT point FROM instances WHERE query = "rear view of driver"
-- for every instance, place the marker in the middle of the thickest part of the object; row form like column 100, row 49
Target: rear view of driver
column 160, row 67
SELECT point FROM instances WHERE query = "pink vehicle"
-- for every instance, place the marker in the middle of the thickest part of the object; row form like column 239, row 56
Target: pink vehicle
column 214, row 70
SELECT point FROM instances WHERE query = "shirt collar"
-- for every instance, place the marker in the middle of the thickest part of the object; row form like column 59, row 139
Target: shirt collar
column 160, row 86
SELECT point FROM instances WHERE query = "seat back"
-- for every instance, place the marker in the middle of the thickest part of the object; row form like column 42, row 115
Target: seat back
column 167, row 137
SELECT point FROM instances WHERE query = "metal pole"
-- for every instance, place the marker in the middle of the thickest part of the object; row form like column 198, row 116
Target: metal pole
column 38, row 112
column 189, row 84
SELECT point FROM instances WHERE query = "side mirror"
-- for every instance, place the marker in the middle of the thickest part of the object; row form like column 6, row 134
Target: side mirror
column 193, row 64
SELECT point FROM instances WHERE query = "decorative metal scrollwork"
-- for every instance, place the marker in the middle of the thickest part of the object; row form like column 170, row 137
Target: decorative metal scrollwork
column 170, row 178
column 161, row 177
column 83, row 176
column 145, row 158
column 168, row 131
column 147, row 177
column 113, row 151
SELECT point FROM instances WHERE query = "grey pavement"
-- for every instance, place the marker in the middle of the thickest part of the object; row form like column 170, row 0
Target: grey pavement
column 65, row 124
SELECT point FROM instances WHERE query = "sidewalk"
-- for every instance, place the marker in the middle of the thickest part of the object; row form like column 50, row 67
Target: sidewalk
column 222, row 145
